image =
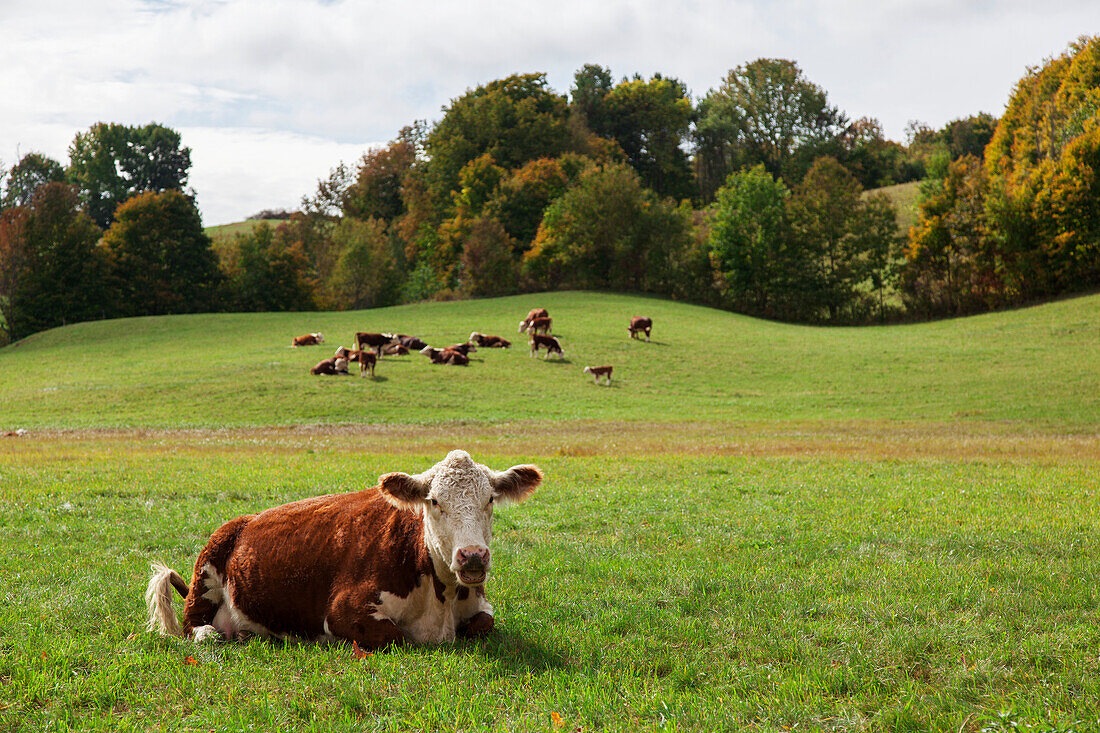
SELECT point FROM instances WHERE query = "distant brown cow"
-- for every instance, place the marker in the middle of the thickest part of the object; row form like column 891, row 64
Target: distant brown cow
column 545, row 342
column 395, row 350
column 310, row 339
column 535, row 313
column 374, row 341
column 332, row 366
column 490, row 342
column 366, row 359
column 463, row 349
column 599, row 371
column 639, row 324
column 445, row 356
column 539, row 325
column 412, row 343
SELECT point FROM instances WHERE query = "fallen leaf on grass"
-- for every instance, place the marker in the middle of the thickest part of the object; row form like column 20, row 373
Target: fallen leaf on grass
column 359, row 653
column 557, row 719
column 191, row 660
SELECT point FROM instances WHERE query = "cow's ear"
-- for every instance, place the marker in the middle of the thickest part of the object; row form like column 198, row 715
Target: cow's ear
column 405, row 491
column 515, row 483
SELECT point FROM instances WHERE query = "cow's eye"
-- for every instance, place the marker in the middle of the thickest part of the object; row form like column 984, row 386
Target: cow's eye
column 491, row 499
column 435, row 503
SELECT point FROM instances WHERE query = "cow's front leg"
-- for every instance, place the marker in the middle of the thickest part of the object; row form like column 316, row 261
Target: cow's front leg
column 355, row 619
column 476, row 627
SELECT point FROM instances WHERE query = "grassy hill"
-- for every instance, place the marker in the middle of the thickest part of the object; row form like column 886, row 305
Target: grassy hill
column 904, row 198
column 1035, row 367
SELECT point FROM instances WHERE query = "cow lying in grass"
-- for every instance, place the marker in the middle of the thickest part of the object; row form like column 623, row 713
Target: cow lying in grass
column 490, row 342
column 310, row 339
column 545, row 342
column 405, row 561
column 599, row 371
column 445, row 356
column 332, row 366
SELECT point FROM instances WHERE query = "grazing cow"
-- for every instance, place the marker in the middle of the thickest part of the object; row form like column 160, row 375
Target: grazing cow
column 395, row 350
column 375, row 341
column 532, row 315
column 463, row 349
column 639, row 324
column 599, row 371
column 331, row 366
column 404, row 561
column 490, row 342
column 366, row 359
column 412, row 343
column 545, row 342
column 310, row 339
column 445, row 356
column 539, row 324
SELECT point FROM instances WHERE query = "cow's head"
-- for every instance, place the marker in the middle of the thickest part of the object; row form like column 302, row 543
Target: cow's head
column 393, row 338
column 523, row 325
column 473, row 336
column 319, row 337
column 456, row 497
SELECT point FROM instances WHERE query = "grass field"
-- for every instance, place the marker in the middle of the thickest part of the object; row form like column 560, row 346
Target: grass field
column 904, row 198
column 761, row 527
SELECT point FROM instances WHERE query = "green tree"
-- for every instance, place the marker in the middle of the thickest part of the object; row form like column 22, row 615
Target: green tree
column 489, row 266
column 587, row 98
column 378, row 186
column 750, row 242
column 110, row 163
column 160, row 258
column 25, row 177
column 766, row 112
column 366, row 273
column 51, row 270
column 272, row 271
column 522, row 198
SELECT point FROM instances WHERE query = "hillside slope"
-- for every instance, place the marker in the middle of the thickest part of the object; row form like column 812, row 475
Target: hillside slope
column 1036, row 367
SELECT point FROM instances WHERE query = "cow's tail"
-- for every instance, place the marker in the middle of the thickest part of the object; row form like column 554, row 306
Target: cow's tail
column 158, row 599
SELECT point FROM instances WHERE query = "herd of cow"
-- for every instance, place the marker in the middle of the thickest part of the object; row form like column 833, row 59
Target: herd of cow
column 370, row 347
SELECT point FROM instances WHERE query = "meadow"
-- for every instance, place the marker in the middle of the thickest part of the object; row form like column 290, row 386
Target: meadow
column 759, row 527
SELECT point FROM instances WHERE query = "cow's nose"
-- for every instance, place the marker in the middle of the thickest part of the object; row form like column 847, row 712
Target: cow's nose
column 473, row 556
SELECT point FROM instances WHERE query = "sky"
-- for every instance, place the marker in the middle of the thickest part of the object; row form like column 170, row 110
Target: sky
column 270, row 95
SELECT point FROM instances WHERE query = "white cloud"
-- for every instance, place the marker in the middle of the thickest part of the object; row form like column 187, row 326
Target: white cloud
column 260, row 88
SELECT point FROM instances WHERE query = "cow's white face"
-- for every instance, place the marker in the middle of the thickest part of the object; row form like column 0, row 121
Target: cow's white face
column 319, row 337
column 456, row 497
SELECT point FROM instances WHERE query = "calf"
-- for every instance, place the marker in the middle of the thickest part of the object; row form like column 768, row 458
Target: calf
column 463, row 349
column 366, row 359
column 395, row 350
column 539, row 324
column 310, row 339
column 545, row 342
column 639, row 324
column 445, row 356
column 405, row 561
column 599, row 371
column 412, row 343
column 375, row 341
column 332, row 366
column 532, row 315
column 490, row 342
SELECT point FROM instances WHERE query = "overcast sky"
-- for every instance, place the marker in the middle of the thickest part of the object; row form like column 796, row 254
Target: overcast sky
column 271, row 94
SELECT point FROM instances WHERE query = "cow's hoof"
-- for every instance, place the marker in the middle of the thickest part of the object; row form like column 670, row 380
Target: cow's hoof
column 479, row 625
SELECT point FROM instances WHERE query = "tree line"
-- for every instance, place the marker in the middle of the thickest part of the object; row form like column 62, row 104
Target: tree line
column 753, row 198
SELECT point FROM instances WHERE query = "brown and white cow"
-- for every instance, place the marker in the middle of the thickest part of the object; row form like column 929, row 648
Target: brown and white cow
column 375, row 341
column 639, row 324
column 464, row 348
column 404, row 561
column 366, row 359
column 445, row 356
column 599, row 371
column 490, row 342
column 332, row 366
column 532, row 315
column 395, row 350
column 540, row 325
column 412, row 343
column 310, row 339
column 545, row 342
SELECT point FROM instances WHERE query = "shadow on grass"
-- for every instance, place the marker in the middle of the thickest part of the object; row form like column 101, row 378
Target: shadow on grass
column 515, row 653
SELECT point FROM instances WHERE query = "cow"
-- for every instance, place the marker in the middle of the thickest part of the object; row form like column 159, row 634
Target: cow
column 545, row 342
column 445, row 356
column 374, row 341
column 463, row 349
column 403, row 562
column 539, row 324
column 639, row 324
column 490, row 342
column 599, row 371
column 395, row 350
column 366, row 359
column 332, row 366
column 532, row 315
column 310, row 339
column 412, row 343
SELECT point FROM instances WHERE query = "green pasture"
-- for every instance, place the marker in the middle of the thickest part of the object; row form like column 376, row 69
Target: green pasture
column 658, row 592
column 1034, row 367
column 904, row 197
